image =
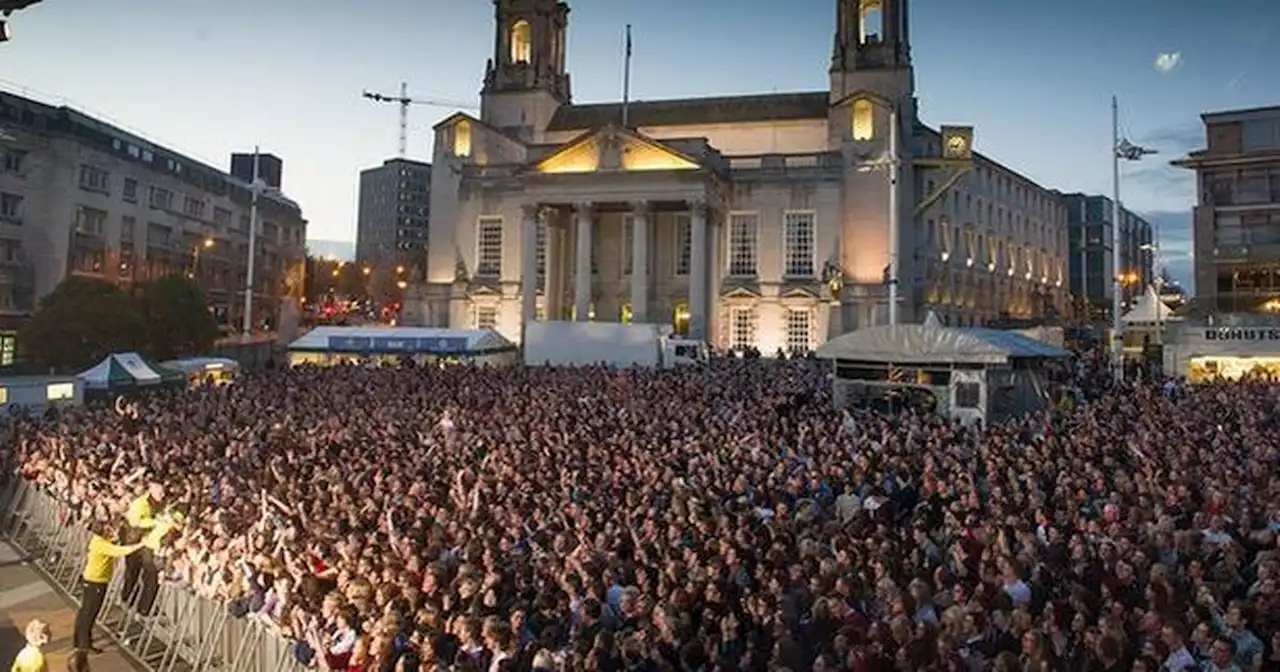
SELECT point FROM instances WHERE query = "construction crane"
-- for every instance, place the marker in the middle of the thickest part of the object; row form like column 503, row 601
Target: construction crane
column 404, row 101
column 8, row 7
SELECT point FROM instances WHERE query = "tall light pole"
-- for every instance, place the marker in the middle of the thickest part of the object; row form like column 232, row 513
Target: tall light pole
column 247, row 322
column 889, row 162
column 893, row 215
column 1117, row 326
column 1120, row 149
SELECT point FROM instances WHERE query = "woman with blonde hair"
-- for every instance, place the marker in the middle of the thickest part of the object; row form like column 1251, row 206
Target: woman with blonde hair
column 31, row 657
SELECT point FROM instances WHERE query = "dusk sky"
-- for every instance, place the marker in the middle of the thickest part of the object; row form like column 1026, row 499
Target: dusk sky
column 1034, row 77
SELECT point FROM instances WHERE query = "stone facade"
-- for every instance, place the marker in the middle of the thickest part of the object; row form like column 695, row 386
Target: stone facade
column 755, row 220
column 80, row 197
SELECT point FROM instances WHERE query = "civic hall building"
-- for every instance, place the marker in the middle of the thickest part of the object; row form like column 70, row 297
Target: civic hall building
column 749, row 221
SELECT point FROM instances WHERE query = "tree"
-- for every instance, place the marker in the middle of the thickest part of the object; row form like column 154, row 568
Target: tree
column 177, row 318
column 79, row 323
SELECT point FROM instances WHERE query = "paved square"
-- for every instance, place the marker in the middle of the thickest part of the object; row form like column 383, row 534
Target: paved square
column 24, row 596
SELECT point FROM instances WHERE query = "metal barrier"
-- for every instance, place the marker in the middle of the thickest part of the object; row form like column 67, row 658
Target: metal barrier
column 183, row 633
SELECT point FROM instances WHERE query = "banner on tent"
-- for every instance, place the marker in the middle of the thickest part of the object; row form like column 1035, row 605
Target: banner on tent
column 443, row 345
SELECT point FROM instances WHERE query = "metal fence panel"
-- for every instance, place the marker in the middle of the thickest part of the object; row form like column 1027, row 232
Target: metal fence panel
column 184, row 632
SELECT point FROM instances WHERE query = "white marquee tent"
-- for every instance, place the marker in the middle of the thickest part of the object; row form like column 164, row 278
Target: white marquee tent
column 1149, row 309
column 931, row 344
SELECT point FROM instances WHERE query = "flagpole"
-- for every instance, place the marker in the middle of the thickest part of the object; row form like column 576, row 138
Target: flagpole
column 626, row 82
column 1117, row 325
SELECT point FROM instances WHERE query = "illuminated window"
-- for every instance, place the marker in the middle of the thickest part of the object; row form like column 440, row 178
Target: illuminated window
column 799, row 335
column 4, row 395
column 489, row 247
column 864, row 120
column 798, row 244
column 8, row 349
column 486, row 317
column 744, row 237
column 742, row 328
column 521, row 42
column 60, row 391
column 684, row 241
column 870, row 21
column 462, row 139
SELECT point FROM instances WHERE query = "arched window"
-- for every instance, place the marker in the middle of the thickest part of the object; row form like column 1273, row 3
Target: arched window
column 870, row 21
column 864, row 120
column 462, row 139
column 521, row 42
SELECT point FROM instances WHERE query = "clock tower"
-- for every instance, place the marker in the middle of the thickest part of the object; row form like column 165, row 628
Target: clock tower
column 870, row 122
column 872, row 49
column 525, row 81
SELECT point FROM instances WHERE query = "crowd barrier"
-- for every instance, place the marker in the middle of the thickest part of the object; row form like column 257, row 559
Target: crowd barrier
column 184, row 631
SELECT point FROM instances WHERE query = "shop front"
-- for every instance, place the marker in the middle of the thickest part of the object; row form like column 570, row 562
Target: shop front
column 1205, row 353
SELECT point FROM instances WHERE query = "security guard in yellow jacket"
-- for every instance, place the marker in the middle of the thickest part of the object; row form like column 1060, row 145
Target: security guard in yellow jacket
column 141, row 578
column 99, row 565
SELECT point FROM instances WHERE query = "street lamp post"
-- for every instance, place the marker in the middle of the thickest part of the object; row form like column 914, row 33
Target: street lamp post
column 1120, row 149
column 889, row 162
column 195, row 256
column 247, row 322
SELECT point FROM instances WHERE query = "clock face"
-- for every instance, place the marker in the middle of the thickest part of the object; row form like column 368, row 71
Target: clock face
column 956, row 144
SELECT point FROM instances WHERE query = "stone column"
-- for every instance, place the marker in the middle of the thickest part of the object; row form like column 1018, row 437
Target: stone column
column 582, row 261
column 698, row 271
column 552, row 287
column 640, row 263
column 529, row 264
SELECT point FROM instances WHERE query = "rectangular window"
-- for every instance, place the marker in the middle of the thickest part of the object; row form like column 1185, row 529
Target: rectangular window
column 742, row 328
column 8, row 353
column 541, row 253
column 90, row 221
column 130, row 193
column 222, row 217
column 60, row 392
column 93, row 178
column 968, row 395
column 161, row 198
column 11, row 161
column 127, row 226
column 744, row 228
column 799, row 337
column 489, row 247
column 193, row 207
column 628, row 243
column 11, row 209
column 486, row 317
column 684, row 244
column 798, row 244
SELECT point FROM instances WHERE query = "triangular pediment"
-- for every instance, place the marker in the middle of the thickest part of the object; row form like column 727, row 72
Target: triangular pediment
column 614, row 149
column 864, row 94
column 799, row 293
column 741, row 293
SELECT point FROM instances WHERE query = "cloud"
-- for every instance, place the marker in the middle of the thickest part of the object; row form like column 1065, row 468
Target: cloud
column 1161, row 180
column 1168, row 61
column 1174, row 141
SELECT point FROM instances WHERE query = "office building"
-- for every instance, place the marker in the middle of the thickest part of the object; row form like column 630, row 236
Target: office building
column 1236, row 220
column 79, row 196
column 1093, row 264
column 749, row 221
column 391, row 229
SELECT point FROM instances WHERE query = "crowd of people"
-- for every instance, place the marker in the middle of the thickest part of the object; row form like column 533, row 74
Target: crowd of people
column 723, row 517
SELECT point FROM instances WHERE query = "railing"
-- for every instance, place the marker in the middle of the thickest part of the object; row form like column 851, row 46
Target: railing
column 183, row 633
